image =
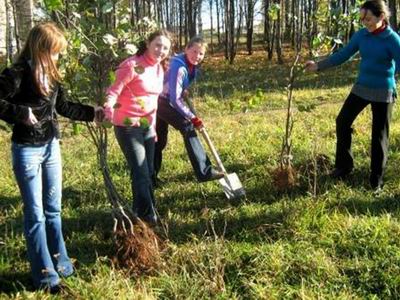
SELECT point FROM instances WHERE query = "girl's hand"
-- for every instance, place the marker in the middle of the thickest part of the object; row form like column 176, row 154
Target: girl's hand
column 197, row 123
column 99, row 114
column 31, row 120
column 108, row 113
column 311, row 66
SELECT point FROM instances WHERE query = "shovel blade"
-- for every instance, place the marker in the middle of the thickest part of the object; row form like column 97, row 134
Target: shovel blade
column 232, row 186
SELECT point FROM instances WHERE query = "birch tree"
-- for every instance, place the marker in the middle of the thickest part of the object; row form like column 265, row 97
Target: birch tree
column 3, row 31
column 24, row 18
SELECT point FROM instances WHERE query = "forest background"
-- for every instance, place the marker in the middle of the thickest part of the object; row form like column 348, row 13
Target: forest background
column 314, row 238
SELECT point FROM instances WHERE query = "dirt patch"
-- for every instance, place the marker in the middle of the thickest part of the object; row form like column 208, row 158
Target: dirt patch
column 138, row 252
column 285, row 178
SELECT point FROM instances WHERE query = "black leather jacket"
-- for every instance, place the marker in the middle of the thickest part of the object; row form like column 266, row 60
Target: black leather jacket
column 18, row 93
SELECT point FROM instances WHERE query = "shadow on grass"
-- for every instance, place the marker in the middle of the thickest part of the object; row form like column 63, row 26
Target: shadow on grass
column 7, row 202
column 88, row 235
column 14, row 282
column 250, row 229
column 371, row 206
column 89, row 195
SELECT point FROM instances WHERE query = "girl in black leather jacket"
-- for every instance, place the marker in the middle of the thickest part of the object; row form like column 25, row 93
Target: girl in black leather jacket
column 30, row 98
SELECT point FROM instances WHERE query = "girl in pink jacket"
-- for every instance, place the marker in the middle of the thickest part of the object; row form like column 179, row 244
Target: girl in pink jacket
column 131, row 106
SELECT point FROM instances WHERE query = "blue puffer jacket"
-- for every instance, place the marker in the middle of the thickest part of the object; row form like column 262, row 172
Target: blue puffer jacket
column 176, row 81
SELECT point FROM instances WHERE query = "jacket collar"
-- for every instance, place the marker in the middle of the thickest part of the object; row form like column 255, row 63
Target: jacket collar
column 383, row 35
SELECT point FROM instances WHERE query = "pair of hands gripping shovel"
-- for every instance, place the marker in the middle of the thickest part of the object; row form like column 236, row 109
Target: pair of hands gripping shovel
column 230, row 183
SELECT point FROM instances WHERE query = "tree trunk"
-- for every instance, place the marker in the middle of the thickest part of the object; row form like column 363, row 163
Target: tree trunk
column 227, row 20
column 199, row 18
column 222, row 14
column 186, row 23
column 268, row 36
column 10, row 33
column 393, row 17
column 24, row 17
column 288, row 18
column 190, row 12
column 167, row 15
column 279, row 37
column 137, row 10
column 250, row 26
column 3, row 32
column 210, row 2
column 181, row 31
column 231, row 29
column 293, row 23
column 239, row 29
column 217, row 8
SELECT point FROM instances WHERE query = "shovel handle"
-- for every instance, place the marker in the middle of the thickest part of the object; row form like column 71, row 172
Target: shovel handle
column 214, row 152
column 206, row 137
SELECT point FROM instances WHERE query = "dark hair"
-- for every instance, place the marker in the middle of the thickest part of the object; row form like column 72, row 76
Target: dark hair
column 377, row 7
column 142, row 47
column 197, row 40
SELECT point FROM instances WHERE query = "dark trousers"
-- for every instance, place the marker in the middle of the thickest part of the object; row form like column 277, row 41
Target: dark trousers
column 381, row 114
column 167, row 115
column 137, row 144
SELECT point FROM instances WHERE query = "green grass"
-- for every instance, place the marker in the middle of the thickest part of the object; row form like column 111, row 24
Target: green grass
column 338, row 242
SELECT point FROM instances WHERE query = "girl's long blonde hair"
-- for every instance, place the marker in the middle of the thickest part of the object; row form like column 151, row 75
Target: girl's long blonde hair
column 43, row 40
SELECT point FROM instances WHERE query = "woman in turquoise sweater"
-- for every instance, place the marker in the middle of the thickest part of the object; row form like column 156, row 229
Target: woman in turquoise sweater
column 379, row 48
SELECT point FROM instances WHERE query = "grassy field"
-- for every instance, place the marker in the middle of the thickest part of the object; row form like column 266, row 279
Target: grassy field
column 324, row 239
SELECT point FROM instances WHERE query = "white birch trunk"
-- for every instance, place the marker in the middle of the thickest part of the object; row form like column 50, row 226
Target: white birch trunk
column 3, row 31
column 24, row 14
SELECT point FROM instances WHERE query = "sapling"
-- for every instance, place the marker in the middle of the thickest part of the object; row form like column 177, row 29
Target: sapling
column 138, row 248
column 285, row 176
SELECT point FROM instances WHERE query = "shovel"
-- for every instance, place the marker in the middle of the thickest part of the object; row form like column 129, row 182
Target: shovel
column 230, row 183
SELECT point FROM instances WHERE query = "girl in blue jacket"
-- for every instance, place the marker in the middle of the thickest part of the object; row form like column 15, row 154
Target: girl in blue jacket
column 172, row 110
column 379, row 49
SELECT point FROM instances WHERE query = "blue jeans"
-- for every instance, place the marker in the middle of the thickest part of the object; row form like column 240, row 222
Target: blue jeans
column 167, row 115
column 37, row 169
column 137, row 144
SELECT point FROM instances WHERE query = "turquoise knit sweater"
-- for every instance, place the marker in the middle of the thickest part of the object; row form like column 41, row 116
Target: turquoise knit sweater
column 380, row 54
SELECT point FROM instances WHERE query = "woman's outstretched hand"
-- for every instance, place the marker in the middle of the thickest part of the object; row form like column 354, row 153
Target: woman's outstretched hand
column 311, row 66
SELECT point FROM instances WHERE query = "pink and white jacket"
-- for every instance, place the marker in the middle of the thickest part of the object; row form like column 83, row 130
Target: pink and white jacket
column 132, row 98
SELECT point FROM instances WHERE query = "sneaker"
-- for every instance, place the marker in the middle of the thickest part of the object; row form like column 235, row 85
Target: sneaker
column 157, row 182
column 215, row 175
column 377, row 191
column 340, row 173
column 56, row 289
column 376, row 183
column 150, row 220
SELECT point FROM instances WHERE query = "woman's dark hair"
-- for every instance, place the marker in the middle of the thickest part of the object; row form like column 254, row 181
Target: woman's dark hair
column 377, row 7
column 142, row 47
